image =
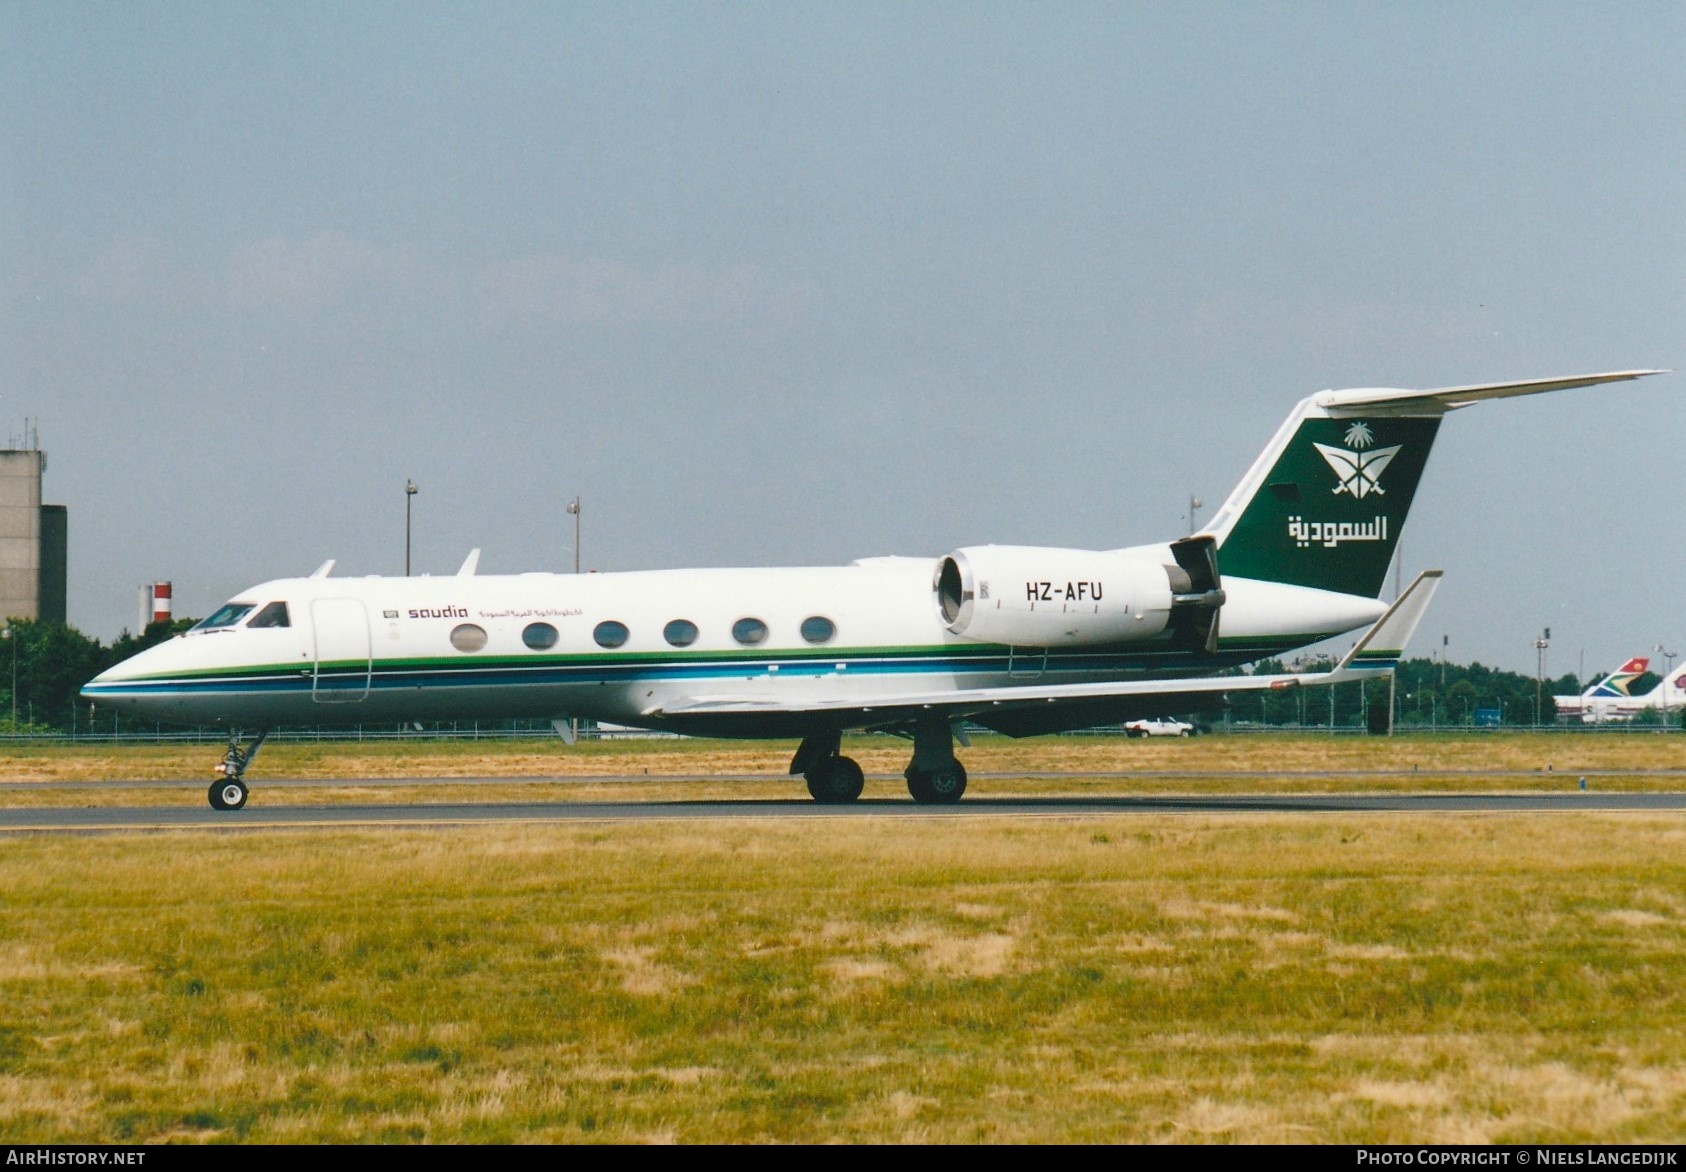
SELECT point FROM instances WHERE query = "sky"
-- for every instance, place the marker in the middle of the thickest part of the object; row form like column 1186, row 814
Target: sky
column 776, row 284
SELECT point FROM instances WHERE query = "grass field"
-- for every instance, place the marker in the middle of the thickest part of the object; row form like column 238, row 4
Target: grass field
column 1120, row 978
column 1433, row 754
column 674, row 769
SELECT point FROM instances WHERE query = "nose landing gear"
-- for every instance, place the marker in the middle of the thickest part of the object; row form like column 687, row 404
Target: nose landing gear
column 230, row 793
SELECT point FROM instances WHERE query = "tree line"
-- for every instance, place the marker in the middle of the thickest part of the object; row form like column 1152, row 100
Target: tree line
column 1424, row 693
column 43, row 666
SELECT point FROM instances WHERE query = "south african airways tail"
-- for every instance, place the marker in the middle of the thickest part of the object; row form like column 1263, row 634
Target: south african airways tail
column 1612, row 697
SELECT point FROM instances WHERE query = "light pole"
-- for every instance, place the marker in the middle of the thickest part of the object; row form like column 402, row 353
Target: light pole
column 409, row 494
column 1194, row 503
column 1668, row 679
column 574, row 510
column 1540, row 646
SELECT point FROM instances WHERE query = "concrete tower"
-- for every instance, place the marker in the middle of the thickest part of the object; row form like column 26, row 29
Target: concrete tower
column 34, row 539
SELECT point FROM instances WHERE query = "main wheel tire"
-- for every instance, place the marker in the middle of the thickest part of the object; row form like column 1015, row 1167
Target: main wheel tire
column 949, row 785
column 228, row 795
column 918, row 785
column 937, row 786
column 835, row 781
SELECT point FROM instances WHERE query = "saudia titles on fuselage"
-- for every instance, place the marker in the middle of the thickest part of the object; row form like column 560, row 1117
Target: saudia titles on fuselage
column 441, row 612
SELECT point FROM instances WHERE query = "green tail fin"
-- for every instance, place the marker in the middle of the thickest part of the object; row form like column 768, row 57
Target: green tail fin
column 1324, row 507
column 1325, row 503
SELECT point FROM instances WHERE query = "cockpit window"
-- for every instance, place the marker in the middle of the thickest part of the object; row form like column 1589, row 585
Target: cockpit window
column 230, row 614
column 273, row 615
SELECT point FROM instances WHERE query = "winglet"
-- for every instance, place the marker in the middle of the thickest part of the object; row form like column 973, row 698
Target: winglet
column 324, row 569
column 1383, row 644
column 470, row 564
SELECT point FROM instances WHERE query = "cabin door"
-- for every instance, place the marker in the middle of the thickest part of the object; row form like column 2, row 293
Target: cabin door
column 341, row 632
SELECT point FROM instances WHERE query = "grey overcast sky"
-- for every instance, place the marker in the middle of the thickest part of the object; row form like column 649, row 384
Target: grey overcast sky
column 794, row 284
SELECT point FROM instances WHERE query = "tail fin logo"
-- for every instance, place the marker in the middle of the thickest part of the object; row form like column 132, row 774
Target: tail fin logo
column 1618, row 682
column 1342, row 485
column 1358, row 472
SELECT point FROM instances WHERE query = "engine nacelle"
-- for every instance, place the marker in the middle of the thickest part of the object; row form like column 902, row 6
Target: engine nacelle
column 1028, row 596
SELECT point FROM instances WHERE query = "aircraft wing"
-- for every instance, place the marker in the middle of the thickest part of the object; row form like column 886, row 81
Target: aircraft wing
column 1376, row 652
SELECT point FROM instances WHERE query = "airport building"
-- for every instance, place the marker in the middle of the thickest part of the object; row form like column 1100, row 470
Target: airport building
column 34, row 539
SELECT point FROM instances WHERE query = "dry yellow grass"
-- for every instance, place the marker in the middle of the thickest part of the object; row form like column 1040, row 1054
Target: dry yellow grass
column 1202, row 979
column 390, row 772
column 1439, row 754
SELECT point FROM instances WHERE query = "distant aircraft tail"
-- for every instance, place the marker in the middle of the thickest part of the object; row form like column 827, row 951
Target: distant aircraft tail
column 1611, row 697
column 1619, row 682
column 1324, row 504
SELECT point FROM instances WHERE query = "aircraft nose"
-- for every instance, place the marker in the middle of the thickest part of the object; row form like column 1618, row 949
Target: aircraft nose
column 127, row 669
column 105, row 677
column 96, row 688
column 123, row 684
column 103, row 688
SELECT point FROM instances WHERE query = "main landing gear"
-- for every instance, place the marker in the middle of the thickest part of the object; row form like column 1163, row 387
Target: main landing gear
column 934, row 777
column 230, row 793
column 833, row 779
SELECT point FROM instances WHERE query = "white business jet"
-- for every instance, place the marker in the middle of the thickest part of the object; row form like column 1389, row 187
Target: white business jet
column 1022, row 640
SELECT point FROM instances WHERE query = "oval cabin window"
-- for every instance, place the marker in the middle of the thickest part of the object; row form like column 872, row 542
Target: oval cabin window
column 818, row 629
column 610, row 633
column 680, row 632
column 468, row 637
column 539, row 636
column 749, row 632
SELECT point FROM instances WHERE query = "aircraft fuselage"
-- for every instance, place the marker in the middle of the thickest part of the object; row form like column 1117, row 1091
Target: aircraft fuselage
column 651, row 648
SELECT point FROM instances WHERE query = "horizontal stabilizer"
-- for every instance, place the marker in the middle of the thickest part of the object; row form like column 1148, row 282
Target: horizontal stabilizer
column 1383, row 645
column 1386, row 400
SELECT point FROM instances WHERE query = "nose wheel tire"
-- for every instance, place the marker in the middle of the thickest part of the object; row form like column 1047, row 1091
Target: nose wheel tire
column 228, row 794
column 942, row 786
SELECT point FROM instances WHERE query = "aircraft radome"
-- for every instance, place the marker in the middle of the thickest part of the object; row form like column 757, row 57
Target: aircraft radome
column 1022, row 640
